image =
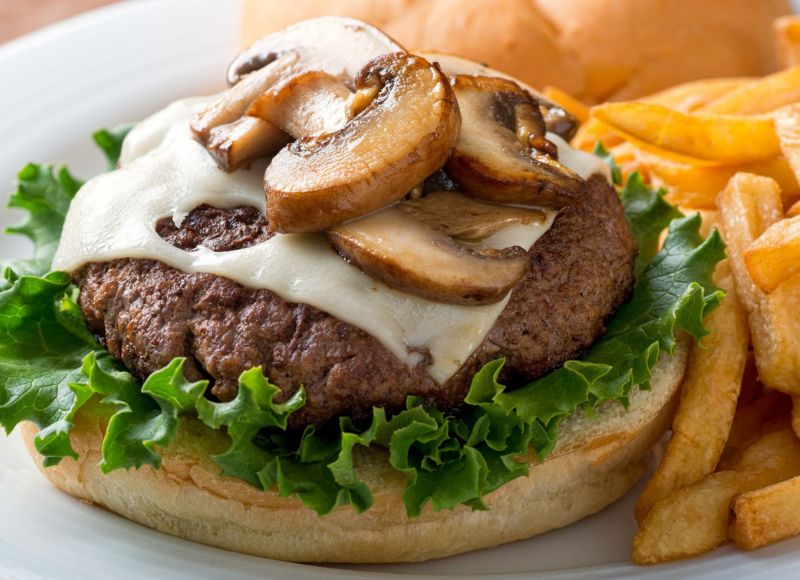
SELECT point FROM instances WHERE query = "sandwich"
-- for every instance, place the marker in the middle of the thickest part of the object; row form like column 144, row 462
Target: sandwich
column 365, row 305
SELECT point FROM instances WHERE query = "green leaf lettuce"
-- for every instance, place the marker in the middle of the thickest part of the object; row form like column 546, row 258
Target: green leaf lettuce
column 50, row 366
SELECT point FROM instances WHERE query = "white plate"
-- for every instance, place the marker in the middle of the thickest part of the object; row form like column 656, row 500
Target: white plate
column 120, row 64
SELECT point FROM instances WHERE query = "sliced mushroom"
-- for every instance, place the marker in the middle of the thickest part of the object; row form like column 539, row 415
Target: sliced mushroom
column 410, row 256
column 465, row 219
column 402, row 136
column 502, row 154
column 339, row 46
column 557, row 119
column 239, row 143
column 232, row 104
column 311, row 103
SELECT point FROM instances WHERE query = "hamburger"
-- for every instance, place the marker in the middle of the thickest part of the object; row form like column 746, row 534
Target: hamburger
column 366, row 305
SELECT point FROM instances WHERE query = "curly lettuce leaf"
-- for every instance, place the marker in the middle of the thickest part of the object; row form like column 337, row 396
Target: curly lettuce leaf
column 603, row 153
column 45, row 193
column 50, row 366
column 42, row 343
column 110, row 142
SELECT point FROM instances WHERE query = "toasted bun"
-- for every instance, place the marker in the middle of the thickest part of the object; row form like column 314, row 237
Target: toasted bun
column 595, row 462
column 595, row 49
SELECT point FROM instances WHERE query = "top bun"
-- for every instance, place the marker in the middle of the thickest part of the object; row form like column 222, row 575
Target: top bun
column 595, row 49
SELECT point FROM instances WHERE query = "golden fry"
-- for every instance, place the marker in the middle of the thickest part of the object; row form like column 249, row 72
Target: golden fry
column 766, row 515
column 749, row 205
column 787, row 127
column 593, row 131
column 759, row 96
column 576, row 108
column 693, row 95
column 700, row 136
column 787, row 36
column 694, row 520
column 771, row 410
column 774, row 256
column 698, row 185
column 751, row 389
column 709, row 396
column 793, row 211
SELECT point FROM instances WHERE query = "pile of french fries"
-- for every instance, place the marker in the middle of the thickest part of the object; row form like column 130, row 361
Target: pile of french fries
column 730, row 149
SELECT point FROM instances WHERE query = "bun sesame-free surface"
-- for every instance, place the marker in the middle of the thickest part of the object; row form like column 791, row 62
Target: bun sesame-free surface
column 594, row 49
column 596, row 461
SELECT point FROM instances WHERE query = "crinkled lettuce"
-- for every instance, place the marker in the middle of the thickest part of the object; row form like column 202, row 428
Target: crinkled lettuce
column 50, row 366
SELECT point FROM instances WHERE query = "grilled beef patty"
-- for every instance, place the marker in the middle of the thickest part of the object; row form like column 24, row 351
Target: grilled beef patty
column 147, row 313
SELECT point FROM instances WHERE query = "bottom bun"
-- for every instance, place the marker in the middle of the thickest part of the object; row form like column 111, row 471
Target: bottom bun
column 596, row 461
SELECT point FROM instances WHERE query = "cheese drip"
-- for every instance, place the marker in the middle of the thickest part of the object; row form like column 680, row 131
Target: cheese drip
column 164, row 172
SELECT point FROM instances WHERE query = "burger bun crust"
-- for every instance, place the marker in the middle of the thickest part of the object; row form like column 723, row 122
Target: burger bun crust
column 596, row 461
column 594, row 49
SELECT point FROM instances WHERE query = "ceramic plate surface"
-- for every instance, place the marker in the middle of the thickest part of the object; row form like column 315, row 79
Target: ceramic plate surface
column 120, row 64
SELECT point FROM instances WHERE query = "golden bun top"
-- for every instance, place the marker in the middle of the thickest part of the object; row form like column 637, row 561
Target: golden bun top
column 594, row 49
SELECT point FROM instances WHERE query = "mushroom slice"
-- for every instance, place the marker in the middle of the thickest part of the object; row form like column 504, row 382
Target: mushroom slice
column 557, row 119
column 337, row 45
column 232, row 104
column 502, row 154
column 238, row 144
column 410, row 256
column 403, row 135
column 311, row 103
column 466, row 219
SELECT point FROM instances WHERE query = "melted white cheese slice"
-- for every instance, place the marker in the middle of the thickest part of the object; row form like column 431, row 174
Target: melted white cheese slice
column 164, row 172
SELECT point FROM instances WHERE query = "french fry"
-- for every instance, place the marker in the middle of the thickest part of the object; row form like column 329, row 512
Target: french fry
column 770, row 411
column 694, row 520
column 787, row 128
column 710, row 391
column 628, row 159
column 572, row 105
column 697, row 186
column 749, row 205
column 766, row 515
column 774, row 256
column 751, row 389
column 593, row 131
column 700, row 136
column 793, row 211
column 759, row 96
column 787, row 37
column 693, row 95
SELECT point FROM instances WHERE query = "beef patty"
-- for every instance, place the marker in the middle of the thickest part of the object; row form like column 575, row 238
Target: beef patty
column 147, row 313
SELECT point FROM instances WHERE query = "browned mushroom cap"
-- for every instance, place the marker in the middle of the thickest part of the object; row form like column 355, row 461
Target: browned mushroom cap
column 337, row 45
column 466, row 219
column 410, row 256
column 402, row 136
column 311, row 103
column 501, row 154
column 232, row 104
column 235, row 142
column 557, row 119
